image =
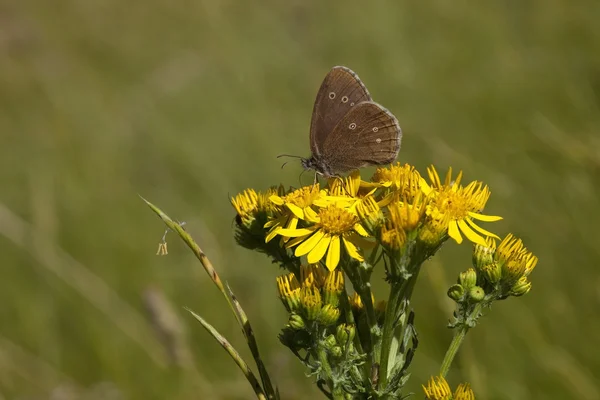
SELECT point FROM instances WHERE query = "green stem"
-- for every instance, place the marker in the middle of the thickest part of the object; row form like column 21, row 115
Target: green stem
column 399, row 292
column 388, row 332
column 459, row 335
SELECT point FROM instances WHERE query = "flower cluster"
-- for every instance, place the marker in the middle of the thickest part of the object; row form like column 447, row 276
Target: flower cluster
column 345, row 217
column 326, row 236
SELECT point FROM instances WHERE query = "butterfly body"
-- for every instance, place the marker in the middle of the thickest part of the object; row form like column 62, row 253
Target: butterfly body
column 348, row 130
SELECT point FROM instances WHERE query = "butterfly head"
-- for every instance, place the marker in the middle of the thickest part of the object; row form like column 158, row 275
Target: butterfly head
column 318, row 165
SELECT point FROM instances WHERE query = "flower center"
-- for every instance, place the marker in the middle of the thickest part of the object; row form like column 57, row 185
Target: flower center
column 336, row 221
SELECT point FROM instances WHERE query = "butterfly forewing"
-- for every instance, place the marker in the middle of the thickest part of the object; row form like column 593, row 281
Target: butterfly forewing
column 367, row 135
column 340, row 92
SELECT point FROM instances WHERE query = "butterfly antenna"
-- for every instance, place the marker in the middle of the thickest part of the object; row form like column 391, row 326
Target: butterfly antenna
column 283, row 165
column 288, row 155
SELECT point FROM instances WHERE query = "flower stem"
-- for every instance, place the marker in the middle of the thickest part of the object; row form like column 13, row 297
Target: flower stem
column 388, row 332
column 459, row 335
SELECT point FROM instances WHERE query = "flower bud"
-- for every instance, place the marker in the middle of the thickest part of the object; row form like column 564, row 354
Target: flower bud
column 329, row 315
column 289, row 291
column 476, row 294
column 456, row 292
column 484, row 255
column 330, row 342
column 296, row 322
column 468, row 278
column 345, row 333
column 333, row 287
column 523, row 286
column 310, row 299
column 336, row 351
column 492, row 272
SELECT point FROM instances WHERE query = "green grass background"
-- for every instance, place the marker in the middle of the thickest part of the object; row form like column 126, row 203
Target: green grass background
column 188, row 102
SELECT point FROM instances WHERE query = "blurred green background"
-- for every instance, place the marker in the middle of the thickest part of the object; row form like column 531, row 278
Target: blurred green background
column 189, row 102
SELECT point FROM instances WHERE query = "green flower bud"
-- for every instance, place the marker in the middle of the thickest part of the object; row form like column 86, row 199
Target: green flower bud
column 456, row 292
column 468, row 279
column 329, row 315
column 296, row 322
column 484, row 255
column 336, row 351
column 476, row 294
column 492, row 273
column 523, row 286
column 310, row 299
column 330, row 342
column 345, row 333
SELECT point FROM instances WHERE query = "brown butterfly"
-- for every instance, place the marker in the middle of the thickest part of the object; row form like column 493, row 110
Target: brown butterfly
column 348, row 130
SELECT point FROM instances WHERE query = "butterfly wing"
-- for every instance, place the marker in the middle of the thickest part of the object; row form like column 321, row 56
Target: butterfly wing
column 340, row 91
column 367, row 135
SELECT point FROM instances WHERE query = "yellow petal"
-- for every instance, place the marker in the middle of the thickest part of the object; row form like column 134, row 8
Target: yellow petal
column 352, row 250
column 292, row 223
column 276, row 200
column 310, row 215
column 297, row 232
column 470, row 233
column 453, row 232
column 486, row 218
column 276, row 221
column 333, row 255
column 360, row 230
column 296, row 210
column 480, row 229
column 274, row 232
column 319, row 250
column 294, row 242
column 425, row 188
column 309, row 244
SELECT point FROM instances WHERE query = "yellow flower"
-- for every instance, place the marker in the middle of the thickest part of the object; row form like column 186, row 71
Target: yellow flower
column 333, row 225
column 408, row 215
column 370, row 214
column 403, row 179
column 464, row 392
column 296, row 205
column 462, row 205
column 289, row 291
column 312, row 275
column 437, row 389
column 393, row 235
column 514, row 259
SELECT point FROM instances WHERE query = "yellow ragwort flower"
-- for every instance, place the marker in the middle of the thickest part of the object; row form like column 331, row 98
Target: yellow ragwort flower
column 437, row 389
column 296, row 205
column 245, row 204
column 514, row 259
column 408, row 215
column 370, row 214
column 392, row 235
column 289, row 291
column 333, row 225
column 312, row 274
column 402, row 179
column 464, row 392
column 461, row 204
